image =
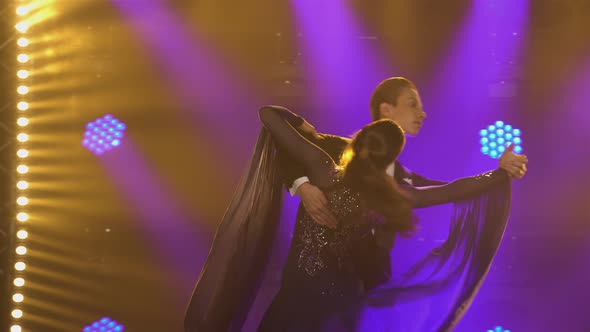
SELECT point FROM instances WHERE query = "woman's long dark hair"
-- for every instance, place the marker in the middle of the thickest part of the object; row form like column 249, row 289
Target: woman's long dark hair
column 365, row 159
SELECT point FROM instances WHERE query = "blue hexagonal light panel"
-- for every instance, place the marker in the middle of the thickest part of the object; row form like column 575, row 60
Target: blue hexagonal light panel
column 105, row 324
column 496, row 137
column 104, row 134
column 498, row 329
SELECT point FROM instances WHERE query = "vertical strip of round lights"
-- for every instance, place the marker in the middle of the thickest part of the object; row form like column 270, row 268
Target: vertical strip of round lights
column 23, row 72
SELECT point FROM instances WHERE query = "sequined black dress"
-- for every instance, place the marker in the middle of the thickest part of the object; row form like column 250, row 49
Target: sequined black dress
column 319, row 278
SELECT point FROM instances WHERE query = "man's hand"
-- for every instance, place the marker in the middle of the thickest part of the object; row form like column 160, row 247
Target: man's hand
column 316, row 205
column 513, row 163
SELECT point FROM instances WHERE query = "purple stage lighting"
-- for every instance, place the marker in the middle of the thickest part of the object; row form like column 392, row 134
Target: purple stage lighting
column 495, row 138
column 104, row 134
column 105, row 324
column 498, row 329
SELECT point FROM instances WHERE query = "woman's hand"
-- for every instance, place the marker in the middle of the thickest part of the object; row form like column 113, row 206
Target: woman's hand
column 316, row 205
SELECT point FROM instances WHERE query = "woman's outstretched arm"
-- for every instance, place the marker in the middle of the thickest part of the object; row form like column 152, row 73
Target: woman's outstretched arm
column 457, row 190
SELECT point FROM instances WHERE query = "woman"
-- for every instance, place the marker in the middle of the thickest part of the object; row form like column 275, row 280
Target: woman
column 321, row 289
column 320, row 280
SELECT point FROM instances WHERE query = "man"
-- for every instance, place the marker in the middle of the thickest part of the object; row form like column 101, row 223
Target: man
column 397, row 99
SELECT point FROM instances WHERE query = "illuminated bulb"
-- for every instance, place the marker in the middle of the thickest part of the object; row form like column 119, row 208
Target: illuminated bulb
column 22, row 90
column 23, row 42
column 22, row 73
column 22, row 234
column 21, row 250
column 22, row 153
column 22, row 11
column 17, row 313
column 22, row 216
column 23, row 106
column 19, row 282
column 22, row 137
column 20, row 266
column 18, row 298
column 22, row 169
column 22, row 185
column 22, row 201
column 22, row 58
column 22, row 27
column 23, row 122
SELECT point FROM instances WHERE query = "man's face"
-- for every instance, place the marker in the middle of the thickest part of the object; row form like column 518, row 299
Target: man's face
column 407, row 113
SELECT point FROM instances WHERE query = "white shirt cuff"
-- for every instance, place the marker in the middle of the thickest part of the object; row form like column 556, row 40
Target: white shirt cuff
column 296, row 184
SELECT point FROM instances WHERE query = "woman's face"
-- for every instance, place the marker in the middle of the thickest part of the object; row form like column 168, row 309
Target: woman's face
column 407, row 113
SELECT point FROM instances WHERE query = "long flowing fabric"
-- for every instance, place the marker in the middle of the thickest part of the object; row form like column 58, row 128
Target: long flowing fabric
column 435, row 292
column 230, row 278
column 431, row 296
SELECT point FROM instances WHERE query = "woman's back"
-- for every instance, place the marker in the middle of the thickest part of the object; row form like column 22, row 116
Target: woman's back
column 317, row 249
column 320, row 279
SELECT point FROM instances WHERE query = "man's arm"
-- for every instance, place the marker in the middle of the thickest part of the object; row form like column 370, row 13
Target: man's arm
column 291, row 171
column 312, row 198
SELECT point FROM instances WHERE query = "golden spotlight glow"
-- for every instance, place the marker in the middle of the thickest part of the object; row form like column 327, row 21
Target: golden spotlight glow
column 22, row 137
column 49, row 53
column 22, row 58
column 17, row 313
column 21, row 250
column 22, row 27
column 22, row 169
column 43, row 14
column 22, row 74
column 18, row 297
column 23, row 122
column 15, row 328
column 55, row 37
column 23, row 106
column 347, row 155
column 20, row 266
column 22, row 90
column 22, row 153
column 19, row 282
column 22, row 217
column 22, row 201
column 23, row 42
column 22, row 10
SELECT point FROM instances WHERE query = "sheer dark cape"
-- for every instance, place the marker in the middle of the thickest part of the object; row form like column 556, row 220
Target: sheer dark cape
column 444, row 282
column 233, row 271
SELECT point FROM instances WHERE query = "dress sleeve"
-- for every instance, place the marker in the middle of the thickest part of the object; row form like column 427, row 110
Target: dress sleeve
column 281, row 123
column 417, row 179
column 457, row 190
column 292, row 170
